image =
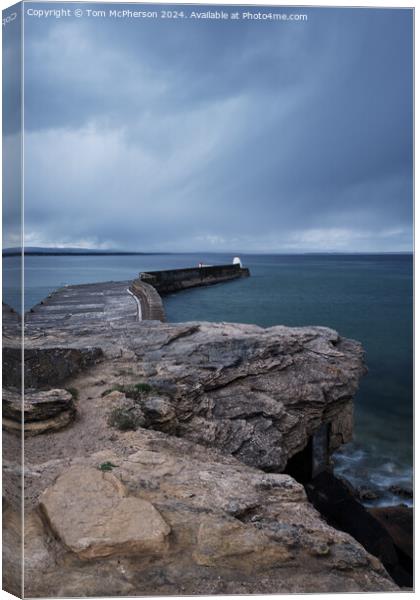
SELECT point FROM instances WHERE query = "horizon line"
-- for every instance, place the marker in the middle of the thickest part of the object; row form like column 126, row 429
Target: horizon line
column 44, row 250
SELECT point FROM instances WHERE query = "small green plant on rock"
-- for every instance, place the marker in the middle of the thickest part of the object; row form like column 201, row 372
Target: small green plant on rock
column 107, row 466
column 141, row 388
column 74, row 392
column 134, row 391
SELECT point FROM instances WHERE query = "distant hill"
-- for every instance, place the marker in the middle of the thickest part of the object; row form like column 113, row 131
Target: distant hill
column 35, row 251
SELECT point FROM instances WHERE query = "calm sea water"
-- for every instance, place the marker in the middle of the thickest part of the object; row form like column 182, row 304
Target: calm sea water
column 364, row 297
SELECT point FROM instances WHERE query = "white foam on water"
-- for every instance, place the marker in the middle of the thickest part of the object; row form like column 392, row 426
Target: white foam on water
column 365, row 469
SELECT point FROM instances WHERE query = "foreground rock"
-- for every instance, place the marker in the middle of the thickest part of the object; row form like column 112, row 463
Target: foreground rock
column 42, row 410
column 98, row 519
column 233, row 529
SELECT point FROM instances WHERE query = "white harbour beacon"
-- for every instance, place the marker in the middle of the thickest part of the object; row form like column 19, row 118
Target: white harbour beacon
column 237, row 261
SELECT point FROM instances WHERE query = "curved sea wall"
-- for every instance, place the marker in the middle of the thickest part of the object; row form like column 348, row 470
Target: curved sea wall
column 151, row 304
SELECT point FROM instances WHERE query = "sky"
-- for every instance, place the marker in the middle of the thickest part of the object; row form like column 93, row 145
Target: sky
column 204, row 135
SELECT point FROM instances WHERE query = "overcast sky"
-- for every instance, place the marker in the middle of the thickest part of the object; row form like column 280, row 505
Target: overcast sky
column 207, row 135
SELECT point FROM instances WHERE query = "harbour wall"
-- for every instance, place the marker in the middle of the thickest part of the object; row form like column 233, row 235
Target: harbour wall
column 174, row 280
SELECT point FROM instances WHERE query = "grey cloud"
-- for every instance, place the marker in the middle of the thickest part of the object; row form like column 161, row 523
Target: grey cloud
column 195, row 136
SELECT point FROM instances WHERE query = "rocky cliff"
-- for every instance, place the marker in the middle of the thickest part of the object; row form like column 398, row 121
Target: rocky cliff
column 167, row 478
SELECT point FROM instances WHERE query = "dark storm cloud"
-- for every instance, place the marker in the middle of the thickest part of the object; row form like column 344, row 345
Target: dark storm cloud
column 12, row 137
column 202, row 135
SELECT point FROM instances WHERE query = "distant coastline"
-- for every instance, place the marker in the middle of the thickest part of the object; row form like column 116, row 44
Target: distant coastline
column 75, row 252
column 35, row 251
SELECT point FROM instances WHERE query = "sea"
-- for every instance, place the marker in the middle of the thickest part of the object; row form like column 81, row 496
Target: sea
column 364, row 297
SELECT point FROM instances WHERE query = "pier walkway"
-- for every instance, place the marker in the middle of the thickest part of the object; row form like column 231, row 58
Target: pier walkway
column 79, row 305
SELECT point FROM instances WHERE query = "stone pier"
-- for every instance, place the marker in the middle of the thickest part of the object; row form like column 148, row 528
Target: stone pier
column 174, row 280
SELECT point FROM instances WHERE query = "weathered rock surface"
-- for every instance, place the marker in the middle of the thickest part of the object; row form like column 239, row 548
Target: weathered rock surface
column 12, row 540
column 256, row 393
column 42, row 410
column 91, row 513
column 398, row 521
column 46, row 367
column 182, row 519
column 182, row 505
